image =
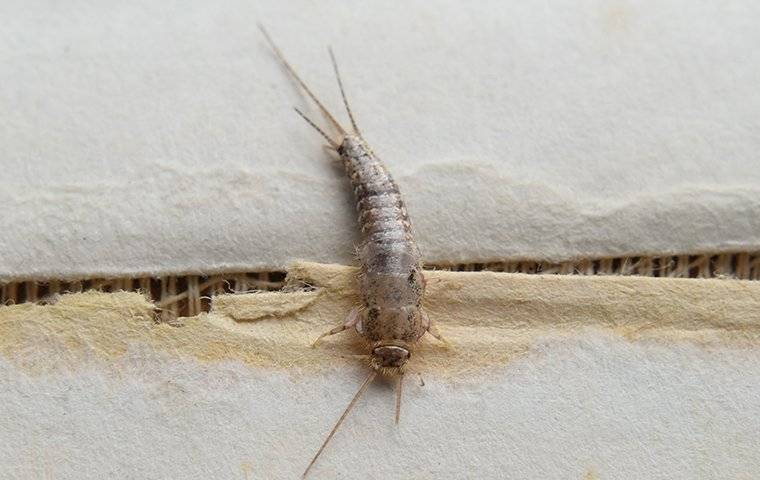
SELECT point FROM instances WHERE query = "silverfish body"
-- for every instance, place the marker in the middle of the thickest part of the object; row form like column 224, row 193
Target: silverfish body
column 391, row 281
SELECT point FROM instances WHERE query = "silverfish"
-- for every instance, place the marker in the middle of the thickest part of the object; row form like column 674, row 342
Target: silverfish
column 391, row 280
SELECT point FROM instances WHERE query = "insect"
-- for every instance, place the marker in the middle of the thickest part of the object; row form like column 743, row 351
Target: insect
column 391, row 281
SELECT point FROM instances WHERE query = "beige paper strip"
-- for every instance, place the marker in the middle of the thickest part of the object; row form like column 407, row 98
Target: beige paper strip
column 489, row 318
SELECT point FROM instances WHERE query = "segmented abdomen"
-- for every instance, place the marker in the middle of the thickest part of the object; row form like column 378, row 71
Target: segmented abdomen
column 382, row 215
column 391, row 281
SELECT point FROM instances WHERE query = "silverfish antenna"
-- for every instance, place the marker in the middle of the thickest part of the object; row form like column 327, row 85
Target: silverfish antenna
column 297, row 78
column 342, row 91
column 314, row 125
column 358, row 394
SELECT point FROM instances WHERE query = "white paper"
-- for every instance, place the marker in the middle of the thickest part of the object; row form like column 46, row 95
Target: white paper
column 155, row 138
column 593, row 406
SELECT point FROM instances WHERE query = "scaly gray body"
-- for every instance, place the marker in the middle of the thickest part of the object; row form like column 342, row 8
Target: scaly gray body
column 391, row 283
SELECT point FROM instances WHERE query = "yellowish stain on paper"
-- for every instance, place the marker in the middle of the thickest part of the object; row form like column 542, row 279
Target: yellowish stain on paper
column 490, row 318
column 247, row 469
column 617, row 16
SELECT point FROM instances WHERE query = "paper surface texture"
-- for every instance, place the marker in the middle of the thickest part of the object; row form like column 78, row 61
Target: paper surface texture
column 547, row 377
column 155, row 139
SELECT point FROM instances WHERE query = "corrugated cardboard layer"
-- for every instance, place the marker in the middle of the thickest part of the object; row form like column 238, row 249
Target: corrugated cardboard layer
column 489, row 319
